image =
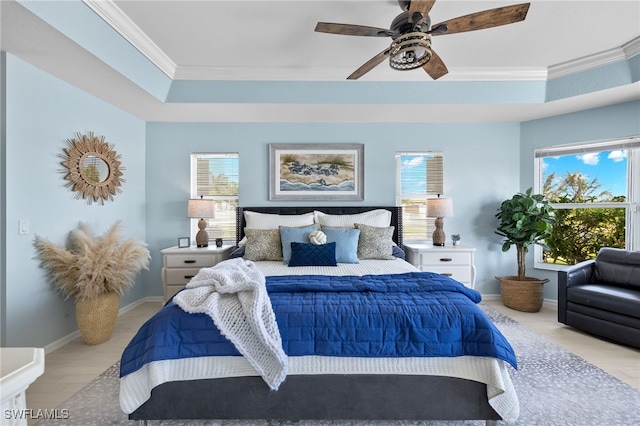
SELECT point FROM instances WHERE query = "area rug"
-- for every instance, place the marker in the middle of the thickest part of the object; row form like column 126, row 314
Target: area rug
column 554, row 386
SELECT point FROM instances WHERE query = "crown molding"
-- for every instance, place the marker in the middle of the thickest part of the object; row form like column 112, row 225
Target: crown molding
column 119, row 21
column 626, row 51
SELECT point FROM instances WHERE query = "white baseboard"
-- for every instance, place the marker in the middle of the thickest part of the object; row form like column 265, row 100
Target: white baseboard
column 546, row 301
column 72, row 336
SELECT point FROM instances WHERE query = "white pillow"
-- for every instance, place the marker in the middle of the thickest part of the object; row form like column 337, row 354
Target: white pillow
column 379, row 218
column 255, row 220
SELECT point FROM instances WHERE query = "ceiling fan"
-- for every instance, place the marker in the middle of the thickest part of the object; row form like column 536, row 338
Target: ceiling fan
column 411, row 33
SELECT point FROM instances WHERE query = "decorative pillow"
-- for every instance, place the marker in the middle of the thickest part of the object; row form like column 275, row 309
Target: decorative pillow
column 375, row 242
column 379, row 217
column 237, row 252
column 317, row 237
column 255, row 220
column 346, row 240
column 313, row 255
column 290, row 235
column 398, row 252
column 263, row 244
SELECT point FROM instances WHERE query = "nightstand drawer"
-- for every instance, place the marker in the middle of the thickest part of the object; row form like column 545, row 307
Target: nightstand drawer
column 188, row 261
column 179, row 276
column 447, row 258
column 459, row 273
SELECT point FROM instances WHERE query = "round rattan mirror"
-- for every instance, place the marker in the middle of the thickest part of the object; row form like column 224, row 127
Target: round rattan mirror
column 93, row 168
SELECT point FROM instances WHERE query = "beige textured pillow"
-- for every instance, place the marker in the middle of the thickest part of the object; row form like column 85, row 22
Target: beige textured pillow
column 263, row 244
column 375, row 242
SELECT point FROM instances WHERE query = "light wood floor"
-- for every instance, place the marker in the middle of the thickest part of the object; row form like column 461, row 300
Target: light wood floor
column 74, row 365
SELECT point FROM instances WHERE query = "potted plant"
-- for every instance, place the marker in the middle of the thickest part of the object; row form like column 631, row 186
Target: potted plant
column 525, row 219
column 96, row 271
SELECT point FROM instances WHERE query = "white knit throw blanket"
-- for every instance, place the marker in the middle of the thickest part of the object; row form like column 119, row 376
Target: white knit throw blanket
column 234, row 294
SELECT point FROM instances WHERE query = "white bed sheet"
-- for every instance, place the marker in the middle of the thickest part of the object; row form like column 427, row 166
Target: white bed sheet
column 365, row 267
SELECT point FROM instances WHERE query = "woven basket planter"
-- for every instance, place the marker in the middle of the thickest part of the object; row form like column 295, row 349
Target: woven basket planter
column 525, row 296
column 97, row 317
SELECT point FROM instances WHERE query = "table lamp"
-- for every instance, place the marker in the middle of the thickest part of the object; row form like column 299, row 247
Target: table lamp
column 439, row 208
column 201, row 208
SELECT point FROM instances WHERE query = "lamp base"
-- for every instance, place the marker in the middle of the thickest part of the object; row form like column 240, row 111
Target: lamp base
column 202, row 237
column 439, row 236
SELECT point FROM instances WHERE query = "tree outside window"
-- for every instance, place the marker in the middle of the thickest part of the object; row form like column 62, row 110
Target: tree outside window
column 595, row 203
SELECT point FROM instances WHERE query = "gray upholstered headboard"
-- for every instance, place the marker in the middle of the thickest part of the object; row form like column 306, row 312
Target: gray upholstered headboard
column 396, row 215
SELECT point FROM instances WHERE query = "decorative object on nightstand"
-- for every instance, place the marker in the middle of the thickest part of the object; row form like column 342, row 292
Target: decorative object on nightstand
column 201, row 208
column 184, row 242
column 439, row 208
column 96, row 271
column 179, row 265
column 456, row 262
column 525, row 219
column 455, row 239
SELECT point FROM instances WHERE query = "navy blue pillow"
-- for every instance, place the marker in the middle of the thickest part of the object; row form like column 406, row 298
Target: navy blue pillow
column 313, row 255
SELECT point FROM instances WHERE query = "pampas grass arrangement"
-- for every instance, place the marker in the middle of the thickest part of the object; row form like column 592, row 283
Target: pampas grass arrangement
column 93, row 265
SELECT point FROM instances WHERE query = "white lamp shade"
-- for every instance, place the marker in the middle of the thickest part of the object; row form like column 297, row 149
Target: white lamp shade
column 439, row 207
column 201, row 208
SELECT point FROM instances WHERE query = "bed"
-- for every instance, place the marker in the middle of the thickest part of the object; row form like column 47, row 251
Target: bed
column 372, row 380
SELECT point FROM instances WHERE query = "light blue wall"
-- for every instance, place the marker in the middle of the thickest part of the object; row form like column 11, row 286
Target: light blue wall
column 41, row 113
column 484, row 164
column 611, row 122
column 481, row 169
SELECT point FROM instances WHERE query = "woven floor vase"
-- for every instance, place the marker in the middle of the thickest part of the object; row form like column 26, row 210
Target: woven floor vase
column 97, row 317
column 524, row 296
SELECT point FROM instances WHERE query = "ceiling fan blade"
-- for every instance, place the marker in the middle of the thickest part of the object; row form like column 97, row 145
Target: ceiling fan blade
column 420, row 6
column 485, row 19
column 435, row 67
column 353, row 30
column 369, row 65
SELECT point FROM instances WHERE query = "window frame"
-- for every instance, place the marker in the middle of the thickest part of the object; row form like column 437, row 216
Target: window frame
column 431, row 191
column 230, row 236
column 631, row 206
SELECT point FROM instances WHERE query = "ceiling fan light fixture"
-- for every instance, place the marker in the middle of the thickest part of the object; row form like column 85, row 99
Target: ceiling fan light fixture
column 410, row 51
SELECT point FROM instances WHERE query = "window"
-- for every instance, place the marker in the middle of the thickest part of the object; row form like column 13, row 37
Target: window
column 595, row 197
column 418, row 175
column 215, row 177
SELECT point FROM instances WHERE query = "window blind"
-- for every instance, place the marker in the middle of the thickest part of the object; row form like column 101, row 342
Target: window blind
column 216, row 176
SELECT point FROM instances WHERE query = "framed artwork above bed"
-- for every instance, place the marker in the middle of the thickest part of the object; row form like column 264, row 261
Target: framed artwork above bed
column 316, row 171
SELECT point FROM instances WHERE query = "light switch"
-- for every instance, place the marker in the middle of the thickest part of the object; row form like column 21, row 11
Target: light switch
column 23, row 225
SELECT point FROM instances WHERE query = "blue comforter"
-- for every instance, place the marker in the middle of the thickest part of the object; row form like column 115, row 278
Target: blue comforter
column 413, row 314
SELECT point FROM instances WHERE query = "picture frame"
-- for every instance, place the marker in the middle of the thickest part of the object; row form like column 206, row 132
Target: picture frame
column 184, row 242
column 324, row 171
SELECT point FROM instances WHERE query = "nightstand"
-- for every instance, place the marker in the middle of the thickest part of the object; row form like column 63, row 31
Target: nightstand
column 179, row 265
column 453, row 261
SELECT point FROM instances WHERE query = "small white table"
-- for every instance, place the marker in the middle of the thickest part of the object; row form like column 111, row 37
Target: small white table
column 453, row 261
column 19, row 367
